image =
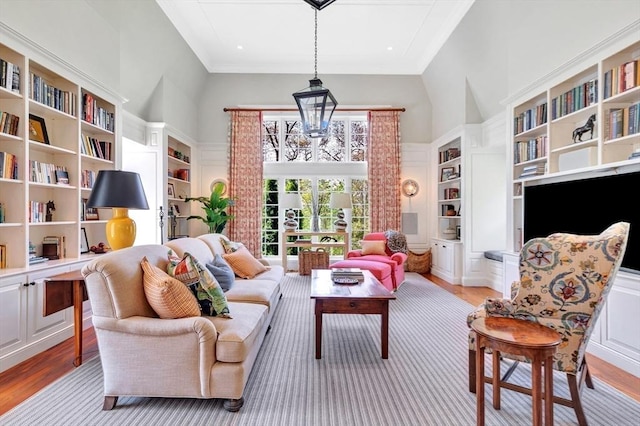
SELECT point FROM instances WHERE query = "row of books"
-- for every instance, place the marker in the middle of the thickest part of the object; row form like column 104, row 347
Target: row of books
column 3, row 256
column 37, row 212
column 579, row 97
column 535, row 170
column 182, row 174
column 347, row 273
column 9, row 76
column 87, row 178
column 621, row 78
column 96, row 115
column 8, row 166
column 448, row 154
column 48, row 173
column 9, row 123
column 54, row 247
column 620, row 122
column 530, row 149
column 45, row 93
column 95, row 148
column 530, row 119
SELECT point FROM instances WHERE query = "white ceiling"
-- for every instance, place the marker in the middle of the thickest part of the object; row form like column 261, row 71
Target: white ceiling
column 277, row 36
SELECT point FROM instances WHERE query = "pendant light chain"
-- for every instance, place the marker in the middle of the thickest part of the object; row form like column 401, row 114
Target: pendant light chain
column 316, row 45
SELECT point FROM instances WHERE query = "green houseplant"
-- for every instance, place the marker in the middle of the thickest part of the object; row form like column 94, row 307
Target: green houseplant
column 215, row 208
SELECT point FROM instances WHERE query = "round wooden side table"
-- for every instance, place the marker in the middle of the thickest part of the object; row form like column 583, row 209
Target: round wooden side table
column 516, row 337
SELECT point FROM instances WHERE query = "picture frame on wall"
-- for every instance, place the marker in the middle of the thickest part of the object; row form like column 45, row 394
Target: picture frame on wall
column 84, row 242
column 38, row 130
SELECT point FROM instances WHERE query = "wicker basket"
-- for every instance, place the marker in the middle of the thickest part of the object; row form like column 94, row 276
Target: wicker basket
column 418, row 262
column 308, row 260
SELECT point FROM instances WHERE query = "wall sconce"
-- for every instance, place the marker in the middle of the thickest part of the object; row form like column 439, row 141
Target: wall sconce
column 340, row 200
column 290, row 202
column 410, row 188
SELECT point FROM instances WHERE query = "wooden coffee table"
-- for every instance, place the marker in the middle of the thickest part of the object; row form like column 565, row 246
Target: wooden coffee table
column 366, row 297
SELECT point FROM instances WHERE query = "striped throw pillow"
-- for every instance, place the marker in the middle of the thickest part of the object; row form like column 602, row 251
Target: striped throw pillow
column 168, row 297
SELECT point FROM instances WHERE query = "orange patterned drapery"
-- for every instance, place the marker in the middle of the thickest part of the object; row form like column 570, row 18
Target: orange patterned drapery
column 384, row 170
column 245, row 179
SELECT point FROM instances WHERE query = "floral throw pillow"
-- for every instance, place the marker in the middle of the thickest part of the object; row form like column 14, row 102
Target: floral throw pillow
column 230, row 246
column 206, row 289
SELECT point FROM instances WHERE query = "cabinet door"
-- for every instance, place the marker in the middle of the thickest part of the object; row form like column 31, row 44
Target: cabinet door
column 435, row 256
column 445, row 255
column 40, row 325
column 13, row 313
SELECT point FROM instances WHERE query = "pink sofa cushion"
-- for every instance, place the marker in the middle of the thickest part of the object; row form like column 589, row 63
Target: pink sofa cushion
column 380, row 270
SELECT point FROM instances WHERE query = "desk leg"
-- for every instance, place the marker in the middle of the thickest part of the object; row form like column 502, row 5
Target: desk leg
column 384, row 329
column 496, row 379
column 548, row 391
column 77, row 320
column 536, row 390
column 479, row 381
column 318, row 329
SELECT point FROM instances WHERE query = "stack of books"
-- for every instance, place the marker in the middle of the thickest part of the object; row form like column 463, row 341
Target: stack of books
column 535, row 170
column 347, row 273
column 635, row 154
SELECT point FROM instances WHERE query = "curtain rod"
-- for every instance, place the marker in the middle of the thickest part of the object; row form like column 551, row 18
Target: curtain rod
column 296, row 109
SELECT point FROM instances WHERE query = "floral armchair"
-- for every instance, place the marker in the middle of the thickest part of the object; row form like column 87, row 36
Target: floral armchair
column 388, row 247
column 564, row 280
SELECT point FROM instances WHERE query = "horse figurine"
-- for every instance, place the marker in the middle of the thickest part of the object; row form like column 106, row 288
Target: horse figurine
column 50, row 207
column 588, row 127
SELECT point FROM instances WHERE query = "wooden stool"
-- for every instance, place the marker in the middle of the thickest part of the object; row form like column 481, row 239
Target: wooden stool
column 516, row 337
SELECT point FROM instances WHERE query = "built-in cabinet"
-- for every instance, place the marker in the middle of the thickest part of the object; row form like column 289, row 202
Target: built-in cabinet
column 551, row 139
column 446, row 260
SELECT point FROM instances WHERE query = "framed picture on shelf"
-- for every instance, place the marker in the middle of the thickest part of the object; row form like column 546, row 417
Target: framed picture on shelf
column 446, row 173
column 84, row 242
column 175, row 210
column 38, row 129
column 88, row 213
column 62, row 177
column 171, row 190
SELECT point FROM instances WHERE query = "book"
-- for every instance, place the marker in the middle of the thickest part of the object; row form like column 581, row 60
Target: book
column 347, row 273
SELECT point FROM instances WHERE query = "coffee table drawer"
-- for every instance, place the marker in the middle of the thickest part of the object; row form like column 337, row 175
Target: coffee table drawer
column 352, row 306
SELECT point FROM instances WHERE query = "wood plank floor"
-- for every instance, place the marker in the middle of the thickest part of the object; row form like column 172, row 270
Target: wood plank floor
column 25, row 379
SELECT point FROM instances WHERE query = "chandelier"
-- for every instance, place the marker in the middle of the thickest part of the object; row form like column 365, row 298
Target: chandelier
column 316, row 103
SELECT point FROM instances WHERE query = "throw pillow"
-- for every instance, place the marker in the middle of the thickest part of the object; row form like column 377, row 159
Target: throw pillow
column 206, row 289
column 168, row 297
column 373, row 247
column 243, row 263
column 222, row 272
column 230, row 246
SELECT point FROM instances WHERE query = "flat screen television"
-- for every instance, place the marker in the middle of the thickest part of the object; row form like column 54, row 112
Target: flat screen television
column 586, row 206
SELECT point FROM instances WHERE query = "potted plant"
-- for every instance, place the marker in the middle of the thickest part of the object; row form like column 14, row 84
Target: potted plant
column 215, row 207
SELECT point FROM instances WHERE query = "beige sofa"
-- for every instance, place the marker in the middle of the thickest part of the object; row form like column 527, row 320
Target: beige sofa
column 194, row 357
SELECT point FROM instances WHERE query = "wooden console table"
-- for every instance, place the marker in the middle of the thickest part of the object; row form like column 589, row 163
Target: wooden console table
column 285, row 243
column 62, row 291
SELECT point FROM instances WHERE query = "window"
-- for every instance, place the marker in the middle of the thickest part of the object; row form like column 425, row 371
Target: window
column 314, row 168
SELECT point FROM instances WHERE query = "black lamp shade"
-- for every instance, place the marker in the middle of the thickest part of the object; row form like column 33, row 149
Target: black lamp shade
column 316, row 105
column 319, row 4
column 118, row 189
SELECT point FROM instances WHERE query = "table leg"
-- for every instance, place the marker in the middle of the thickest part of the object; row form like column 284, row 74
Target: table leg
column 536, row 390
column 77, row 321
column 495, row 381
column 318, row 329
column 384, row 329
column 548, row 391
column 479, row 382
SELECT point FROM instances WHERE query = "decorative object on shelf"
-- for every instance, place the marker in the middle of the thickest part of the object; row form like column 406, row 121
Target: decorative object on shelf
column 38, row 129
column 588, row 127
column 449, row 233
column 99, row 249
column 340, row 200
column 410, row 188
column 289, row 202
column 220, row 181
column 1, row 213
column 171, row 190
column 120, row 191
column 161, row 224
column 446, row 173
column 316, row 103
column 215, row 208
column 3, row 256
column 84, row 241
column 51, row 207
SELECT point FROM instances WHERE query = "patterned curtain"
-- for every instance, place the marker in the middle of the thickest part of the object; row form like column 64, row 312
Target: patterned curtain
column 245, row 180
column 384, row 170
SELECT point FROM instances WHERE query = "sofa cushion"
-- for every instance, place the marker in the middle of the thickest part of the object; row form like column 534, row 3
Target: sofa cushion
column 373, row 247
column 222, row 272
column 265, row 292
column 168, row 297
column 237, row 337
column 206, row 289
column 198, row 248
column 243, row 263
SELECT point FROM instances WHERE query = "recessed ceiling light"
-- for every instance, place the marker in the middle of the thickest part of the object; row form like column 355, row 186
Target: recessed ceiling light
column 240, row 47
column 390, row 48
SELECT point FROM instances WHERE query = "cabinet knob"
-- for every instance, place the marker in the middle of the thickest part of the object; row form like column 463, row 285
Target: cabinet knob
column 25, row 285
column 32, row 283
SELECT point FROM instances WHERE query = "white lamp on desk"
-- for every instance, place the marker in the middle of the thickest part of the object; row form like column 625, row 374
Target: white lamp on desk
column 290, row 202
column 340, row 200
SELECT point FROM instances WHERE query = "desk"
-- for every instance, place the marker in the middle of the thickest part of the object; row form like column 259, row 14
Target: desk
column 62, row 291
column 285, row 244
column 516, row 337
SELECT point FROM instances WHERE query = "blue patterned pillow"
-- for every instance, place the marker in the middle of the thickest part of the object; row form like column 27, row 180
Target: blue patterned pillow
column 222, row 272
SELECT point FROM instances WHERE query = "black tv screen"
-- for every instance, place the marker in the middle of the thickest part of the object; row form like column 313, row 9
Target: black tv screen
column 586, row 206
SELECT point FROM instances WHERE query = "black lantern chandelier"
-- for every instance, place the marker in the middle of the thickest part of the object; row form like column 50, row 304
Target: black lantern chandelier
column 316, row 103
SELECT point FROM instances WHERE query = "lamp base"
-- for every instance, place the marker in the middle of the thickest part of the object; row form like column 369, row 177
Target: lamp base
column 121, row 229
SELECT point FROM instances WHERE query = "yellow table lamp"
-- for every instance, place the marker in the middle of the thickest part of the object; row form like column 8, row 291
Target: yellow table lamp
column 120, row 191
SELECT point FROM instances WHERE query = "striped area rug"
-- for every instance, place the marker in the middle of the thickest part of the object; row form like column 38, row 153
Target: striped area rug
column 424, row 381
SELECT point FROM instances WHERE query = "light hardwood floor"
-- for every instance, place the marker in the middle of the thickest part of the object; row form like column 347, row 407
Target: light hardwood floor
column 25, row 379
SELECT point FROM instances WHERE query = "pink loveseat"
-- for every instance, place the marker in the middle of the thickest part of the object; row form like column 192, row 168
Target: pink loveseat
column 394, row 260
